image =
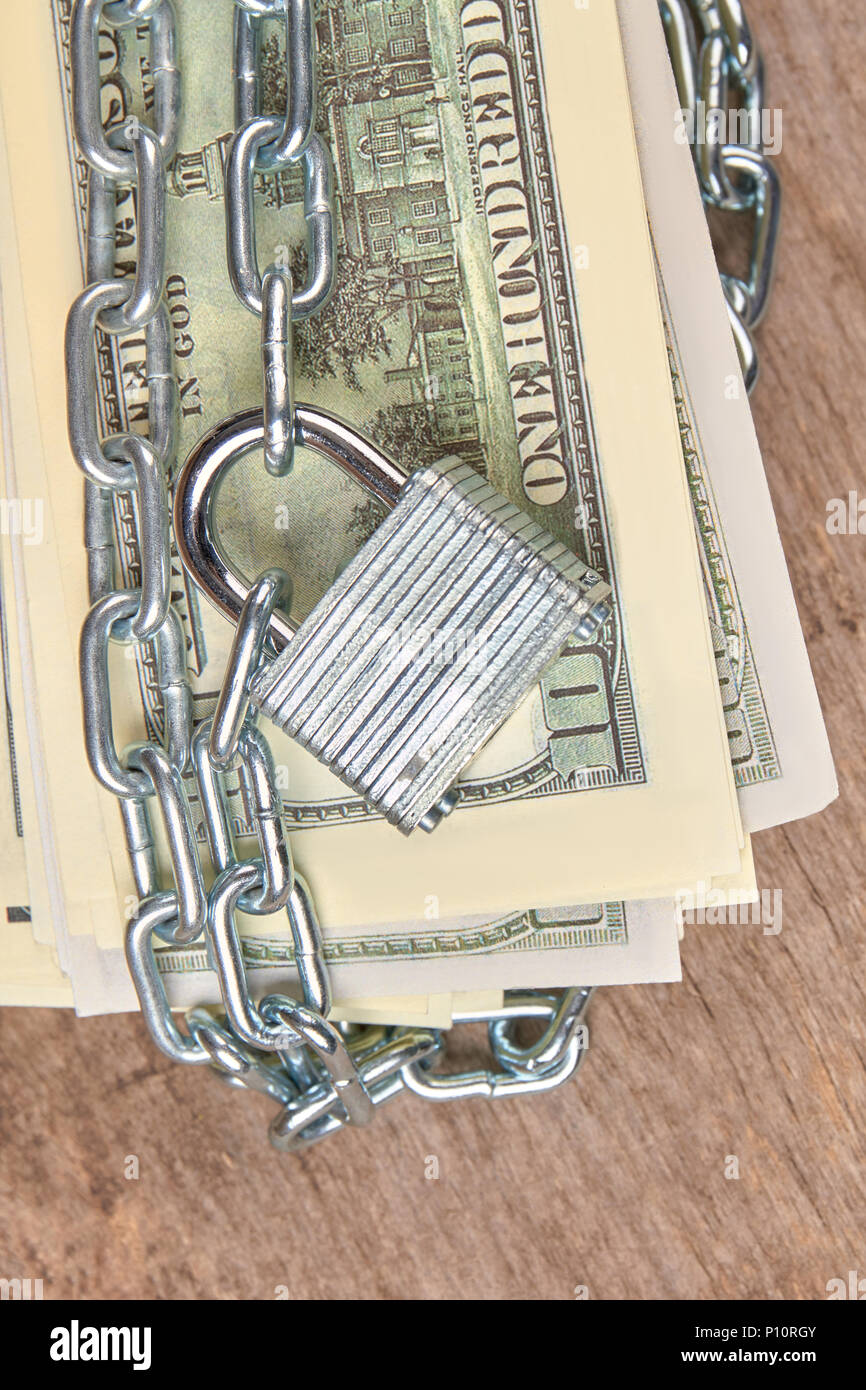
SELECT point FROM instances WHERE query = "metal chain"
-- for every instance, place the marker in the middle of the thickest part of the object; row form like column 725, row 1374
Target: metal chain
column 714, row 57
column 322, row 1076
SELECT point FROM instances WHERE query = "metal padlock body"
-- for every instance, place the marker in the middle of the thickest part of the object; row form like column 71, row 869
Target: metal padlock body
column 430, row 637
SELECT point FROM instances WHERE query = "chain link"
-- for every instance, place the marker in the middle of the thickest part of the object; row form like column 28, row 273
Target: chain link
column 715, row 58
column 322, row 1076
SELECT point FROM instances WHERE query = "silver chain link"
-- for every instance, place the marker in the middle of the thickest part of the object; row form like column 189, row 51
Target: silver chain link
column 323, row 1076
column 714, row 57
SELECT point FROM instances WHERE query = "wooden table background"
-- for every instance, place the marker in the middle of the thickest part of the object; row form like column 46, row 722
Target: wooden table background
column 617, row 1182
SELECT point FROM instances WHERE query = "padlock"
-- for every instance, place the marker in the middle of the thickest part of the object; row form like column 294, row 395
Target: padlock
column 430, row 636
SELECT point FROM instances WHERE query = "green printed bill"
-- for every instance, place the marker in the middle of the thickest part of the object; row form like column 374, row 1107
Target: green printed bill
column 457, row 326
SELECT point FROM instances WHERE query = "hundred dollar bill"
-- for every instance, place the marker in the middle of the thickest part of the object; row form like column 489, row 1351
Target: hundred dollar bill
column 779, row 747
column 618, row 766
column 627, row 943
column 596, row 936
column 612, row 943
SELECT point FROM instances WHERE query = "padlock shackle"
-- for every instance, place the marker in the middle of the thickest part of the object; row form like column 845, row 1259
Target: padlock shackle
column 222, row 446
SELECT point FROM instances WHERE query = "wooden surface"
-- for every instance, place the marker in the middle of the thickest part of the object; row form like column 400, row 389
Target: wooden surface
column 617, row 1182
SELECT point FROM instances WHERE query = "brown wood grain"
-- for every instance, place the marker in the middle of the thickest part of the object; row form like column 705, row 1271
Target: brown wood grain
column 617, row 1182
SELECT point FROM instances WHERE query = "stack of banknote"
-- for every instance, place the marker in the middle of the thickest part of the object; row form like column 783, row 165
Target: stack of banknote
column 525, row 278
